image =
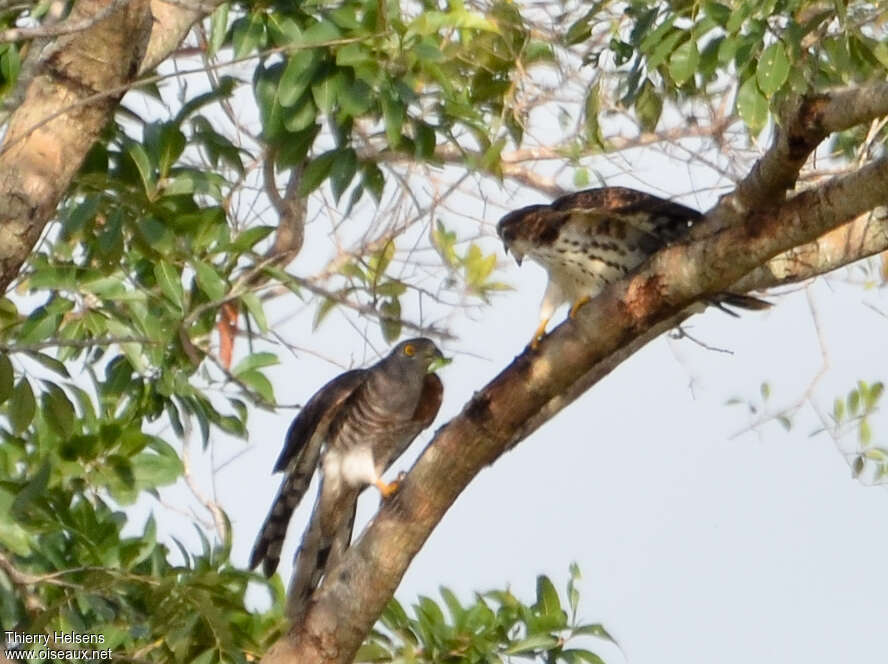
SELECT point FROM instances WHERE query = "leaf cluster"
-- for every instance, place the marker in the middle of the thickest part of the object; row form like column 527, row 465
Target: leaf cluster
column 495, row 627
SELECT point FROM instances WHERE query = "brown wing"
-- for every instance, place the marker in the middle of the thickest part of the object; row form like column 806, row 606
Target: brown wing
column 429, row 401
column 661, row 221
column 613, row 211
column 315, row 416
column 299, row 459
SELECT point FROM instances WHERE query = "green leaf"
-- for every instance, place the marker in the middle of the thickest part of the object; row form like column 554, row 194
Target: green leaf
column 209, row 280
column 321, row 34
column 355, row 98
column 6, row 377
column 58, row 411
column 838, row 410
column 664, row 48
column 267, row 89
column 752, row 106
column 35, row 487
column 547, row 602
column 579, row 655
column 218, row 28
column 425, row 140
column 773, row 69
column 683, row 62
column 594, row 630
column 373, row 651
column 391, row 288
column 490, row 161
column 165, row 142
column 316, row 172
column 857, row 468
column 532, row 644
column 140, row 158
column 648, row 106
column 247, row 33
column 298, row 75
column 373, row 180
column 453, row 605
column 254, row 306
column 76, row 219
column 394, row 113
column 326, row 91
column 255, row 361
column 378, row 263
column 170, row 283
column 343, row 172
column 258, row 382
column 22, row 406
column 152, row 470
column 872, row 396
column 865, row 433
column 40, row 325
column 295, row 146
column 390, row 323
column 853, row 402
column 283, row 30
column 301, row 115
column 591, row 108
column 717, row 12
column 250, row 237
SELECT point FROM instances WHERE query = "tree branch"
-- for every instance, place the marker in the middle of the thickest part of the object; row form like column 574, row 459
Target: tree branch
column 172, row 22
column 805, row 122
column 39, row 164
column 66, row 28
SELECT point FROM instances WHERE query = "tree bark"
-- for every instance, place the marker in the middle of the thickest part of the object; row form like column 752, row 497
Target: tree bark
column 738, row 241
column 79, row 82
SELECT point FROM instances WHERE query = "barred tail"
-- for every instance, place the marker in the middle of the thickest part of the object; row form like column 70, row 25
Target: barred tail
column 724, row 300
column 267, row 549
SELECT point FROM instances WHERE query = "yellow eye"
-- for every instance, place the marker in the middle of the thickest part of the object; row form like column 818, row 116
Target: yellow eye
column 409, row 350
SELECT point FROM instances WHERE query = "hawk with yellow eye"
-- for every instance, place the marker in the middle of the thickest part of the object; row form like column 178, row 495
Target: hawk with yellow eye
column 354, row 427
column 595, row 237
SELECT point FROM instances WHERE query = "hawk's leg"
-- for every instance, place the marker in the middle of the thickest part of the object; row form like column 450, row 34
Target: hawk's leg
column 577, row 305
column 387, row 490
column 552, row 299
column 539, row 334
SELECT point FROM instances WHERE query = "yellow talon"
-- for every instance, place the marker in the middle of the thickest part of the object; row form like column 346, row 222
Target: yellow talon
column 578, row 305
column 390, row 489
column 539, row 334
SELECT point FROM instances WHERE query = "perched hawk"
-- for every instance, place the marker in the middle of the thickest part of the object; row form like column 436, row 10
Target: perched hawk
column 356, row 426
column 595, row 237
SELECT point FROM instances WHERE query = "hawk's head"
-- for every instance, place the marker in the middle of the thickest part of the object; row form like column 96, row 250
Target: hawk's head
column 528, row 228
column 416, row 354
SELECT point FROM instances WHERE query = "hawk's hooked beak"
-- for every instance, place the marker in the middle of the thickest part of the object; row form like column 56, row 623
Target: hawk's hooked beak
column 438, row 361
column 517, row 255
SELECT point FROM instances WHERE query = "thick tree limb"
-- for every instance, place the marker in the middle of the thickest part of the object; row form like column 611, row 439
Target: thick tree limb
column 864, row 237
column 622, row 318
column 171, row 24
column 805, row 122
column 39, row 157
column 37, row 164
column 56, row 29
